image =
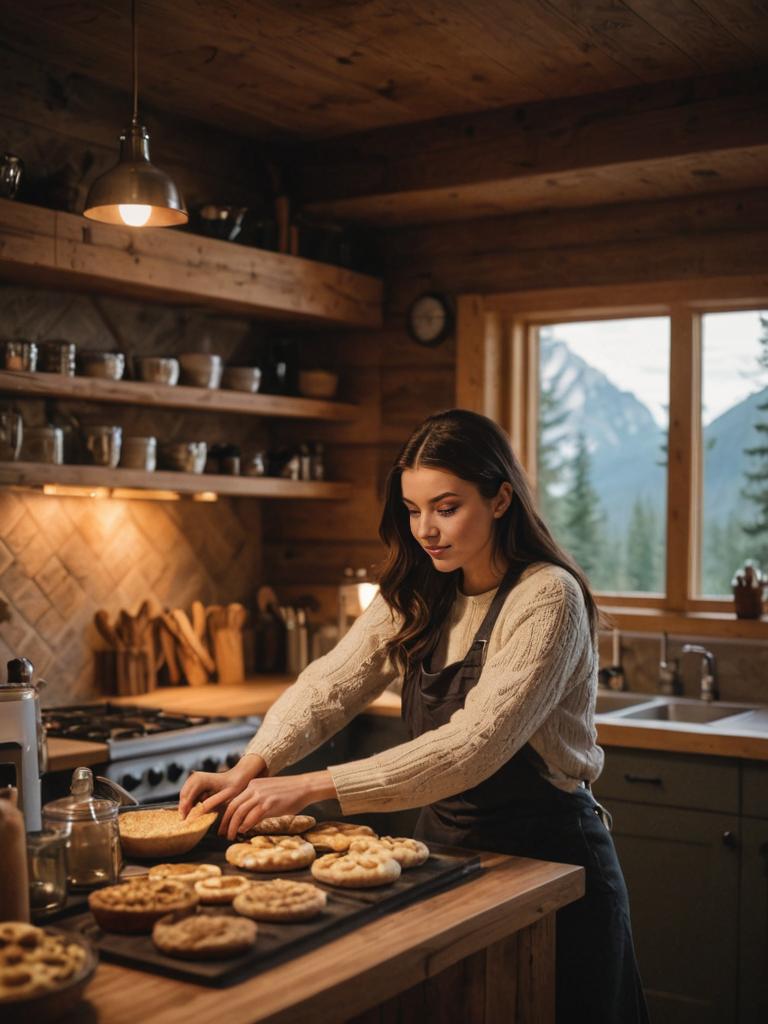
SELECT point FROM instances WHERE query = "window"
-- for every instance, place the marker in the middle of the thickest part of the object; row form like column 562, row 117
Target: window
column 734, row 445
column 603, row 409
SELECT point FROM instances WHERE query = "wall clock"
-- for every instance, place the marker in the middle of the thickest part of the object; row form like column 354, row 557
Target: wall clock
column 430, row 319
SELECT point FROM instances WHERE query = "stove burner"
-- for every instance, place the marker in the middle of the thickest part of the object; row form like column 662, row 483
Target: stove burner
column 100, row 723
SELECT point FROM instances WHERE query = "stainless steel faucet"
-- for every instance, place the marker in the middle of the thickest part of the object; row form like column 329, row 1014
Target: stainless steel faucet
column 669, row 678
column 708, row 681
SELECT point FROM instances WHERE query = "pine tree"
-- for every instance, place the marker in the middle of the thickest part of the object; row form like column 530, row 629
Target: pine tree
column 582, row 518
column 756, row 490
column 550, row 465
column 642, row 549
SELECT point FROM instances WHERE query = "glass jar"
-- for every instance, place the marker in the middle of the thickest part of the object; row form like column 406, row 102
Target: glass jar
column 90, row 829
column 46, row 863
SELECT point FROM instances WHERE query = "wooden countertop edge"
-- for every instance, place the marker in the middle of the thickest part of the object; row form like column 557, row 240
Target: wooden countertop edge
column 642, row 736
column 358, row 970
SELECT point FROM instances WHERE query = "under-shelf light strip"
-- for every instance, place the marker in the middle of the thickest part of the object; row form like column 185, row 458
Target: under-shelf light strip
column 129, row 493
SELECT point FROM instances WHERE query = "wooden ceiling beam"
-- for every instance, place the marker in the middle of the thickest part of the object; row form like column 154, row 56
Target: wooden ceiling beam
column 574, row 151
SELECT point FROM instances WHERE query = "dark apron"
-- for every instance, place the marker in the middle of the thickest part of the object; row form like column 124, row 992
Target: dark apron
column 516, row 811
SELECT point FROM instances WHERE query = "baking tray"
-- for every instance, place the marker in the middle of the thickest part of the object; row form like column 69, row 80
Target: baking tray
column 346, row 910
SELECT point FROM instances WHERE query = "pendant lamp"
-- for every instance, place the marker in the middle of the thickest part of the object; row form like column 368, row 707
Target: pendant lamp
column 135, row 192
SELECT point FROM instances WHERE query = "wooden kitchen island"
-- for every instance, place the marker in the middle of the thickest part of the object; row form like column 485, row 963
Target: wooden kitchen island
column 482, row 952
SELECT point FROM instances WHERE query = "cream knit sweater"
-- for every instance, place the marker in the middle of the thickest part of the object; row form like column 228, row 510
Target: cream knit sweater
column 537, row 686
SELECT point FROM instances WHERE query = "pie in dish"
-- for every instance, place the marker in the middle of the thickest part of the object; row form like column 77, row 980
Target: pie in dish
column 271, row 853
column 204, row 936
column 362, row 870
column 284, row 825
column 282, row 899
column 189, row 873
column 134, row 906
column 409, row 853
column 222, row 889
column 336, row 835
column 162, row 832
column 34, row 961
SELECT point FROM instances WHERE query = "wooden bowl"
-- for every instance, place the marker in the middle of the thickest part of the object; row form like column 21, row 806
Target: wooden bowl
column 45, row 1007
column 160, row 832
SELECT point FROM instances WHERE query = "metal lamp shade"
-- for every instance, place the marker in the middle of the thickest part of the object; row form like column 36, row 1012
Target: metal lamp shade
column 135, row 181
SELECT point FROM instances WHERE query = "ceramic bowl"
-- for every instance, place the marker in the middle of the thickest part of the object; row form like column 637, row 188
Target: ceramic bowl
column 159, row 370
column 242, row 378
column 201, row 369
column 184, row 456
column 107, row 365
column 318, row 383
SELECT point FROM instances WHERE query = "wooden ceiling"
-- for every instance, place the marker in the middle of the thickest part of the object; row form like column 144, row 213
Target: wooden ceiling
column 313, row 69
column 396, row 112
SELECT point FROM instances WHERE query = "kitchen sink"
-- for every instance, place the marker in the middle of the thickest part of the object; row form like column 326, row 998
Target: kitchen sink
column 698, row 714
column 615, row 701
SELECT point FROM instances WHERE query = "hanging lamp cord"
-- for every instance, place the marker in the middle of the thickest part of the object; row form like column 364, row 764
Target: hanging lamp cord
column 135, row 118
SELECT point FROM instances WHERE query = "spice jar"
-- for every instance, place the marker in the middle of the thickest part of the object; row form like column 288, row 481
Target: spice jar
column 92, row 837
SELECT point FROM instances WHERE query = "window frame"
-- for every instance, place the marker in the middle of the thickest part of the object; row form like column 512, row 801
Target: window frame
column 497, row 374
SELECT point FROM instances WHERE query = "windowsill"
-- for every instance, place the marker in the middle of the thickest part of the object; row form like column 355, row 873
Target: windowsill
column 691, row 623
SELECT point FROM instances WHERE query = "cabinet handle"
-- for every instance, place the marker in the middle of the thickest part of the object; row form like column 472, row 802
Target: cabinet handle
column 651, row 780
column 730, row 839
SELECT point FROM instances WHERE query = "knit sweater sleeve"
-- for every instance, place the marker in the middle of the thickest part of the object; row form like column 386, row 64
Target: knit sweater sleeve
column 329, row 692
column 544, row 637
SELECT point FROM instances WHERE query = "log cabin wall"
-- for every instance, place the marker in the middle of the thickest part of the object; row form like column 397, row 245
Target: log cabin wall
column 63, row 558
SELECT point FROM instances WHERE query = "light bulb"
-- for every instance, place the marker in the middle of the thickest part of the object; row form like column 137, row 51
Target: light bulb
column 135, row 215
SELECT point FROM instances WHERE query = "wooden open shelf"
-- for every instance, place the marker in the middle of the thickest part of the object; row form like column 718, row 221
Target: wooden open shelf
column 690, row 623
column 37, row 474
column 47, row 247
column 129, row 392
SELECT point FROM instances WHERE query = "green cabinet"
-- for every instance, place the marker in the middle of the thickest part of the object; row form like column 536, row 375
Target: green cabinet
column 677, row 833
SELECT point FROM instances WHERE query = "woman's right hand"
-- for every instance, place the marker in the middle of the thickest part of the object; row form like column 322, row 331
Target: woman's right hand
column 216, row 788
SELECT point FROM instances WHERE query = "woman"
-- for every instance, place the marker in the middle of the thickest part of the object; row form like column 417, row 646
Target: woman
column 492, row 628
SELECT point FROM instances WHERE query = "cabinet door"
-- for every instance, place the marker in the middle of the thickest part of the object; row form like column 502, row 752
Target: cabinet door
column 753, row 989
column 682, row 872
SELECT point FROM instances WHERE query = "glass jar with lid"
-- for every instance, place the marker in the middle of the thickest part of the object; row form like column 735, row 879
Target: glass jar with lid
column 92, row 838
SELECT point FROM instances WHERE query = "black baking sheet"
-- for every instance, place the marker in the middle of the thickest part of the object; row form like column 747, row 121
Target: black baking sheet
column 346, row 910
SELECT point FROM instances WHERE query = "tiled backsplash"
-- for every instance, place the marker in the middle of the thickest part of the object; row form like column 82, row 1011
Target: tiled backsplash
column 742, row 665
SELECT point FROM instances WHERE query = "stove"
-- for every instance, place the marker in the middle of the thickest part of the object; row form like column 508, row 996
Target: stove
column 151, row 752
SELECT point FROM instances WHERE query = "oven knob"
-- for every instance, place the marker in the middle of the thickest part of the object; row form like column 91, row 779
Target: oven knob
column 175, row 771
column 211, row 764
column 155, row 777
column 129, row 781
column 232, row 760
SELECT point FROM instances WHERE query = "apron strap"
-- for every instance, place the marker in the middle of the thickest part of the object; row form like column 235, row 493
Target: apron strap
column 477, row 652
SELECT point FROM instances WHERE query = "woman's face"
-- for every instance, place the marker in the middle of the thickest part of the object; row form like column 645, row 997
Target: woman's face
column 451, row 520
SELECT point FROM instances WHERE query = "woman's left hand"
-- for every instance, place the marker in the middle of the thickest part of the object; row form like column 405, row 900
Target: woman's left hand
column 271, row 797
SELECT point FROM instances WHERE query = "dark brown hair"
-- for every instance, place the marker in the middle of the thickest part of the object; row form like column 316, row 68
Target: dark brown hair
column 475, row 449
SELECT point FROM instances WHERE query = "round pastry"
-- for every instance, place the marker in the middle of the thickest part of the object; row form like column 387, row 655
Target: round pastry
column 33, row 961
column 134, row 906
column 362, row 870
column 284, row 825
column 204, row 936
column 221, row 889
column 189, row 873
column 272, row 853
column 336, row 835
column 281, row 900
column 409, row 853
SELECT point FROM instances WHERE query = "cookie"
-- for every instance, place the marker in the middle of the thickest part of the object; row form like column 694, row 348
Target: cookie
column 280, row 900
column 272, row 853
column 362, row 870
column 221, row 889
column 204, row 936
column 336, row 835
column 189, row 873
column 134, row 906
column 284, row 825
column 33, row 961
column 409, row 853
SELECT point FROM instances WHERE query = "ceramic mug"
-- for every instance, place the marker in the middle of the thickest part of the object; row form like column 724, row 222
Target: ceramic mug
column 11, row 435
column 104, row 444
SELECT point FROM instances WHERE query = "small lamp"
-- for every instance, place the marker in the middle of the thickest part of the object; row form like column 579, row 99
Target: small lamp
column 135, row 192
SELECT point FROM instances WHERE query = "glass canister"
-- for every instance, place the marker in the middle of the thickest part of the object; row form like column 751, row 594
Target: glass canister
column 92, row 837
column 46, row 862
